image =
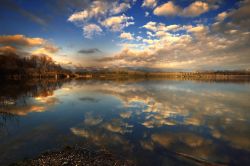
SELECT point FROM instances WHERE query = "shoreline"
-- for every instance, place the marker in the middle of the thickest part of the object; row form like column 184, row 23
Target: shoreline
column 75, row 156
column 206, row 77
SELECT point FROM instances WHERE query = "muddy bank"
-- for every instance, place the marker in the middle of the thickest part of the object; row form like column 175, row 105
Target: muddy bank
column 76, row 156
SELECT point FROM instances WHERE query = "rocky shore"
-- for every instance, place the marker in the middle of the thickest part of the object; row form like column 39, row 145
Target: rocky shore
column 76, row 156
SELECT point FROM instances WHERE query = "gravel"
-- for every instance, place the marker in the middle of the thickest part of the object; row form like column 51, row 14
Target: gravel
column 76, row 156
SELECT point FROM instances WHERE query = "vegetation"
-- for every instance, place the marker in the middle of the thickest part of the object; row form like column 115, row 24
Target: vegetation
column 16, row 67
column 203, row 75
column 13, row 66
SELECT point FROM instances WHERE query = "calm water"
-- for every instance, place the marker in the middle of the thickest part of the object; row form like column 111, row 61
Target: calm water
column 164, row 122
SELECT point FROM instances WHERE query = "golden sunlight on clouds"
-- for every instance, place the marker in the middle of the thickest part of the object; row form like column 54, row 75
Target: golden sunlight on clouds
column 18, row 42
column 222, row 16
column 21, row 40
column 117, row 23
column 168, row 8
column 194, row 9
column 90, row 30
column 219, row 42
column 7, row 49
column 170, row 106
column 118, row 8
column 24, row 110
column 149, row 3
column 101, row 137
column 96, row 9
column 126, row 35
column 99, row 9
column 24, row 46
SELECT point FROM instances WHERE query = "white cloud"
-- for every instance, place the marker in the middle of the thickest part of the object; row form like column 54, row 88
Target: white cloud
column 150, row 33
column 138, row 38
column 150, row 41
column 195, row 48
column 91, row 29
column 153, row 26
column 195, row 9
column 149, row 3
column 78, row 16
column 119, row 8
column 126, row 35
column 96, row 9
column 221, row 16
column 117, row 23
column 99, row 9
column 199, row 46
column 197, row 29
column 146, row 14
column 102, row 12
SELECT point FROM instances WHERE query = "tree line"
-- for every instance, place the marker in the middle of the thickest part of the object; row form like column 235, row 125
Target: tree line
column 14, row 66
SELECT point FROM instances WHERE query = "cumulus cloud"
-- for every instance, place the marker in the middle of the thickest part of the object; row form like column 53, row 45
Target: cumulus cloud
column 48, row 51
column 96, row 9
column 237, row 19
column 99, row 9
column 194, row 9
column 23, row 45
column 90, row 30
column 196, row 47
column 21, row 40
column 221, row 45
column 102, row 12
column 149, row 3
column 119, row 8
column 126, row 35
column 51, row 48
column 167, row 9
column 153, row 26
column 117, row 23
column 7, row 50
column 221, row 16
column 197, row 29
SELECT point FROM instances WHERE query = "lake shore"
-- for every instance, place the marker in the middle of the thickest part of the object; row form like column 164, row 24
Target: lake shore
column 135, row 75
column 76, row 156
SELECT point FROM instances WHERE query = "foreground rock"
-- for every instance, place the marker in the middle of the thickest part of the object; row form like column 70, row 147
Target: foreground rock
column 76, row 156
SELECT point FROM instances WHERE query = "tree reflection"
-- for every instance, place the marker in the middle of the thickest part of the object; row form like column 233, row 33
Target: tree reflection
column 4, row 119
column 16, row 96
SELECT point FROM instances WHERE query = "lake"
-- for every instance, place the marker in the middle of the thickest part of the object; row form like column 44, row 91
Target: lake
column 153, row 122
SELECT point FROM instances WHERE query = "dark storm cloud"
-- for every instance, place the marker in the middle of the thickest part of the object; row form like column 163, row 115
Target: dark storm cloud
column 89, row 51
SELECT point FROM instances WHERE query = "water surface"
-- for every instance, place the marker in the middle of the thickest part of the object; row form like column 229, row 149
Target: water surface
column 153, row 122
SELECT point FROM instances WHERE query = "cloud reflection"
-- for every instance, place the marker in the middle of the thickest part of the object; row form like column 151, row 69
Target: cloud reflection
column 203, row 114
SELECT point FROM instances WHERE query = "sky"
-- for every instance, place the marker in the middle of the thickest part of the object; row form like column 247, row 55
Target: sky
column 173, row 35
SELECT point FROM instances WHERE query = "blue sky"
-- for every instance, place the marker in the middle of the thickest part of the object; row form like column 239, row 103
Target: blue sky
column 177, row 34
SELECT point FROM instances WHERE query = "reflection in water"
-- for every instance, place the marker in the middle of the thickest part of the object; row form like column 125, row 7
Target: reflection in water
column 5, row 117
column 21, row 98
column 153, row 122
